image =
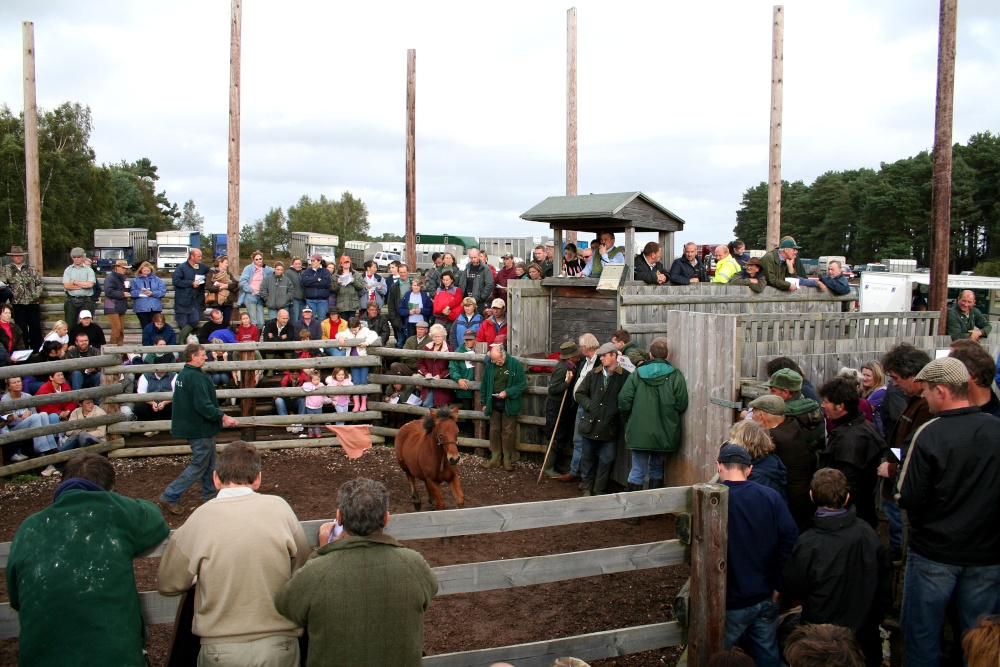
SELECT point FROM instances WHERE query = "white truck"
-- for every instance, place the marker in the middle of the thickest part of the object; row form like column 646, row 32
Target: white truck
column 111, row 245
column 362, row 251
column 172, row 248
column 901, row 265
column 304, row 244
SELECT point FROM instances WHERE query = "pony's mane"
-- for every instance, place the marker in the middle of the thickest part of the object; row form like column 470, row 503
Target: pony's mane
column 440, row 413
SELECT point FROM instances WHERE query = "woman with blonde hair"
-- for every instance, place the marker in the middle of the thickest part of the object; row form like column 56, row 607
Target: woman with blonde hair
column 59, row 333
column 981, row 643
column 768, row 469
column 873, row 389
column 146, row 290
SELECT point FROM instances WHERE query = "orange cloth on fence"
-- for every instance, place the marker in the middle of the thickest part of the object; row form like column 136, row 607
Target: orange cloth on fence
column 354, row 439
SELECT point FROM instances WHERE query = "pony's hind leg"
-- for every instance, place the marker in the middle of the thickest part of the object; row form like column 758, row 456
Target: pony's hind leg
column 414, row 496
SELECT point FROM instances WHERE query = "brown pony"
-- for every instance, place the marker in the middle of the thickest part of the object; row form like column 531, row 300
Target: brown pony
column 427, row 449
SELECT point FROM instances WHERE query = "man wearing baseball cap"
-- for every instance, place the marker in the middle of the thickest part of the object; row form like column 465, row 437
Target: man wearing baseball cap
column 762, row 534
column 78, row 280
column 494, row 325
column 316, row 286
column 950, row 488
column 506, row 273
column 780, row 263
column 463, row 373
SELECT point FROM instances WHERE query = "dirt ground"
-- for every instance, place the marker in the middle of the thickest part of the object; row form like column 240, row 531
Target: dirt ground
column 308, row 480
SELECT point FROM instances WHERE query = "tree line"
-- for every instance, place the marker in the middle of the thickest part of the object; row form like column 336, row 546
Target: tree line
column 866, row 215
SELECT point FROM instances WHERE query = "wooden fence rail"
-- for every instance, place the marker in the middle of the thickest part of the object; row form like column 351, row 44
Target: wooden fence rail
column 705, row 552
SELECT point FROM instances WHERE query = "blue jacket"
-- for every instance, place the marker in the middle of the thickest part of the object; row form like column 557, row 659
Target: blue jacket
column 426, row 310
column 151, row 303
column 316, row 283
column 187, row 297
column 771, row 472
column 460, row 325
column 245, row 278
column 150, row 334
column 836, row 285
column 762, row 534
column 681, row 272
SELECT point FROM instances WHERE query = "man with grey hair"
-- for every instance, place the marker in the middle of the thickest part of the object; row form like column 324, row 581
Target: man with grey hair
column 965, row 320
column 792, row 447
column 363, row 595
column 588, row 344
column 502, row 387
column 950, row 488
column 78, row 281
column 834, row 281
column 601, row 424
column 476, row 280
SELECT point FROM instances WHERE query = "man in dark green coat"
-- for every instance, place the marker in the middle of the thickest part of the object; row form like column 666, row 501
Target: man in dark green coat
column 601, row 423
column 70, row 576
column 502, row 387
column 198, row 418
column 656, row 394
column 560, row 406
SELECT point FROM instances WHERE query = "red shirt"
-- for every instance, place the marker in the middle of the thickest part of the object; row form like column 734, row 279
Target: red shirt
column 55, row 408
column 248, row 334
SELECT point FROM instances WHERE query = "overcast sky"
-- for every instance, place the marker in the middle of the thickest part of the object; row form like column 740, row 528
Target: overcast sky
column 674, row 98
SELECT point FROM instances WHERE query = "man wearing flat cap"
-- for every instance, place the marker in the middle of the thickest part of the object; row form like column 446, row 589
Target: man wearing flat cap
column 560, row 407
column 79, row 281
column 601, row 423
column 791, row 446
column 25, row 284
column 762, row 534
column 950, row 488
column 780, row 263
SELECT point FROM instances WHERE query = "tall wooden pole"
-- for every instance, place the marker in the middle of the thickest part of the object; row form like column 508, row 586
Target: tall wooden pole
column 411, row 159
column 774, row 169
column 941, row 188
column 709, row 553
column 33, row 213
column 233, row 221
column 571, row 111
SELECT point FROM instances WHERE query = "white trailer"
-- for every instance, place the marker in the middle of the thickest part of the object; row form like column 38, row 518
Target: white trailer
column 901, row 265
column 825, row 260
column 304, row 244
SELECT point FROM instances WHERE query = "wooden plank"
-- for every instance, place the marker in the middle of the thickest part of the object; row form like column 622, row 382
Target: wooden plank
column 42, row 461
column 182, row 450
column 64, row 397
column 589, row 647
column 272, row 420
column 43, row 369
column 516, row 572
column 707, row 620
column 59, row 427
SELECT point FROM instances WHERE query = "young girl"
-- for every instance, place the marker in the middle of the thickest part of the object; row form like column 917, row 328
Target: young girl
column 304, row 354
column 314, row 402
column 341, row 379
column 246, row 332
column 357, row 330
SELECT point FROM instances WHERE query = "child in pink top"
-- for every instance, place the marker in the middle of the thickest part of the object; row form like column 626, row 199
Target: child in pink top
column 341, row 379
column 314, row 402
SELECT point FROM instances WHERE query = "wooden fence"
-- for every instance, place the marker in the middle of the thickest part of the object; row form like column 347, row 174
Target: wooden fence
column 703, row 545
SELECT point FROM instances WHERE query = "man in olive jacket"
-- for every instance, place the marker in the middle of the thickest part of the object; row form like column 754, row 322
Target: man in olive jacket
column 502, row 387
column 198, row 418
column 362, row 595
column 656, row 394
column 601, row 423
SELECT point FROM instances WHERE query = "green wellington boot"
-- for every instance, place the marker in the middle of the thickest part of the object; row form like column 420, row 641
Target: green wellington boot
column 492, row 462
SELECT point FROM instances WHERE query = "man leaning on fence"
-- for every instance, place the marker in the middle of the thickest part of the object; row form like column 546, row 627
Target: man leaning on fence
column 242, row 547
column 965, row 320
column 70, row 575
column 197, row 418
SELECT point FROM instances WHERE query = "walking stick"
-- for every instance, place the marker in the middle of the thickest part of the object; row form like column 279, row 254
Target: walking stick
column 552, row 439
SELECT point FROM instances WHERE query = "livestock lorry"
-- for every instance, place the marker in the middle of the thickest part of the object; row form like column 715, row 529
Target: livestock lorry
column 111, row 245
column 304, row 244
column 172, row 248
column 362, row 251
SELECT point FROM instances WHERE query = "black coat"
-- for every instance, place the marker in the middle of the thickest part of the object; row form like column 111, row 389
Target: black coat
column 601, row 417
column 855, row 448
column 681, row 272
column 644, row 272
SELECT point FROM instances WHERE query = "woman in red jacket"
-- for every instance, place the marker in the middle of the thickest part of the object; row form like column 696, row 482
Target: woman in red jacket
column 447, row 301
column 56, row 385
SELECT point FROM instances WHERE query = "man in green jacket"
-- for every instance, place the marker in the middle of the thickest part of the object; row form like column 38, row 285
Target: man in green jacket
column 965, row 320
column 656, row 394
column 362, row 595
column 775, row 264
column 198, row 418
column 502, row 386
column 601, row 423
column 70, row 576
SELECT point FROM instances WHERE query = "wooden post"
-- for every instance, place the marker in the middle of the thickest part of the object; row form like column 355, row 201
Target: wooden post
column 248, row 405
column 557, row 254
column 774, row 170
column 707, row 614
column 33, row 200
column 233, row 221
column 571, row 161
column 411, row 160
column 941, row 187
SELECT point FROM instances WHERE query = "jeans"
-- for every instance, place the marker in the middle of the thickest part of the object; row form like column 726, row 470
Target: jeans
column 428, row 401
column 186, row 318
column 595, row 467
column 313, row 427
column 282, row 409
column 643, row 462
column 295, row 310
column 340, row 408
column 928, row 588
column 202, row 466
column 219, row 379
column 43, row 444
column 255, row 309
column 83, row 439
column 79, row 380
column 359, row 375
column 759, row 625
column 574, row 466
column 318, row 307
column 895, row 517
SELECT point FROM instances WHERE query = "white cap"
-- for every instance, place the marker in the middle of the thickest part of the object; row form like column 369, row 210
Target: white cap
column 85, row 313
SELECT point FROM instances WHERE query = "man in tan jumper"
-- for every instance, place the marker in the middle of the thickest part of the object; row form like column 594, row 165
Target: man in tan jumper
column 242, row 547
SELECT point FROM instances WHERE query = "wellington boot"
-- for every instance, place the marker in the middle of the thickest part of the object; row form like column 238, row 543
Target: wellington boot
column 507, row 464
column 357, row 404
column 492, row 462
column 551, row 471
column 364, row 403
